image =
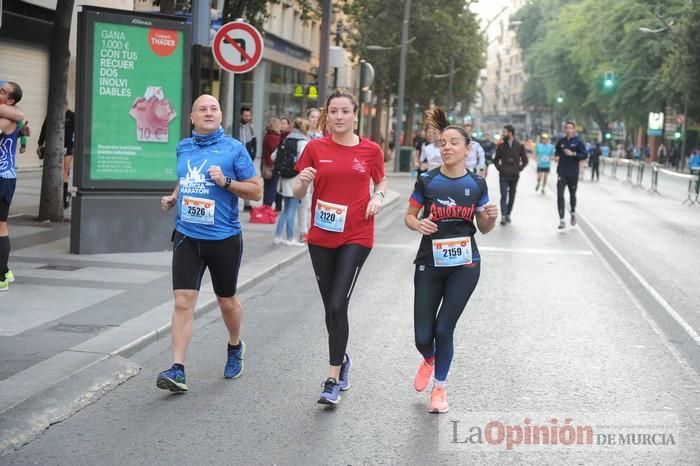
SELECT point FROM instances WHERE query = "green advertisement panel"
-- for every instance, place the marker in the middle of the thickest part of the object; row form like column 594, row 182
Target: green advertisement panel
column 136, row 102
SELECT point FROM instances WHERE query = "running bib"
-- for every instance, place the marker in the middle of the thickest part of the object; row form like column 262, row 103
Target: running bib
column 544, row 159
column 330, row 217
column 451, row 252
column 197, row 210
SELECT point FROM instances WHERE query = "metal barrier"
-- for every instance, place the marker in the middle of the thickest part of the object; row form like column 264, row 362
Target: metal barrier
column 654, row 179
column 693, row 194
column 693, row 180
column 640, row 173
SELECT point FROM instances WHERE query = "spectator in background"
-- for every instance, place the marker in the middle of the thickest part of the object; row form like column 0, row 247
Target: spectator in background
column 661, row 153
column 304, row 211
column 68, row 144
column 286, row 127
column 313, row 114
column 595, row 162
column 270, row 142
column 694, row 161
column 246, row 134
column 286, row 184
column 418, row 142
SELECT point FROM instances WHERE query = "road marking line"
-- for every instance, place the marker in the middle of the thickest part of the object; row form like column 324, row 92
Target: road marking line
column 572, row 252
column 662, row 335
column 677, row 317
column 15, row 215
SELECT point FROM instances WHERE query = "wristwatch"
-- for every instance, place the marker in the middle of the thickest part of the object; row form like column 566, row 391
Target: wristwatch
column 228, row 182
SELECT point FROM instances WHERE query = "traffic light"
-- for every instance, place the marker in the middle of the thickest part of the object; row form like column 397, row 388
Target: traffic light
column 609, row 80
column 677, row 134
column 608, row 136
column 560, row 97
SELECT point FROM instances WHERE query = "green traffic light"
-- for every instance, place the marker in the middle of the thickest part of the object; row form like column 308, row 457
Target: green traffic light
column 677, row 135
column 608, row 83
column 608, row 136
column 560, row 99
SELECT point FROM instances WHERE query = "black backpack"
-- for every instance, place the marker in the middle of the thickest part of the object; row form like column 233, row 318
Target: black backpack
column 286, row 158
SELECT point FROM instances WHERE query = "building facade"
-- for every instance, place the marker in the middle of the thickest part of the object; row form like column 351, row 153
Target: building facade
column 504, row 79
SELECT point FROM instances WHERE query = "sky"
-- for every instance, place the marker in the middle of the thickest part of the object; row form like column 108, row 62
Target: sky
column 487, row 9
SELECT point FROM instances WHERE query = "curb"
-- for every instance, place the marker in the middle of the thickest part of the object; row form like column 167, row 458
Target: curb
column 95, row 374
column 28, row 419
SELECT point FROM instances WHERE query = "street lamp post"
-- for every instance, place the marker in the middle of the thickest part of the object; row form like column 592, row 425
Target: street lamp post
column 402, row 84
column 667, row 27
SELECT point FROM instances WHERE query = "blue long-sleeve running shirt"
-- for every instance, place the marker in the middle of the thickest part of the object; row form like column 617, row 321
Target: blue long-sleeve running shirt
column 568, row 166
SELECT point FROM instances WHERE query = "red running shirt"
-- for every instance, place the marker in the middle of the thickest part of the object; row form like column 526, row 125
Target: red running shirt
column 343, row 176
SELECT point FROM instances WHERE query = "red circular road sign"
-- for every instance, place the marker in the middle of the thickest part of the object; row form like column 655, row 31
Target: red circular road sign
column 237, row 47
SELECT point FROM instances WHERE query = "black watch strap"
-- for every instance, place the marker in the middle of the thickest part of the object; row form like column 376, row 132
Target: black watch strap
column 228, row 182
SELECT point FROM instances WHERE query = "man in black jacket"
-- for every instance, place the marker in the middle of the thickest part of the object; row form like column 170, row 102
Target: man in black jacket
column 510, row 159
column 568, row 152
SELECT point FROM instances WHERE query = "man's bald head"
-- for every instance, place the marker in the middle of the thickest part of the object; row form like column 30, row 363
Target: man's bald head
column 206, row 114
column 203, row 98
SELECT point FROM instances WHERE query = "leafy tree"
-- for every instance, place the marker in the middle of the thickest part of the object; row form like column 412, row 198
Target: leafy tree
column 444, row 31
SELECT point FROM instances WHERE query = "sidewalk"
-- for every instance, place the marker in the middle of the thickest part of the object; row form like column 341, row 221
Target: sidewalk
column 70, row 322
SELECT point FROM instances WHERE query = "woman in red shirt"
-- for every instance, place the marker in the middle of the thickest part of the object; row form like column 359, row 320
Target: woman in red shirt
column 341, row 237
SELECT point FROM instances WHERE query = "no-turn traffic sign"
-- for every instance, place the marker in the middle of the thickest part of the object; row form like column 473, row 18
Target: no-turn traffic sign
column 237, row 47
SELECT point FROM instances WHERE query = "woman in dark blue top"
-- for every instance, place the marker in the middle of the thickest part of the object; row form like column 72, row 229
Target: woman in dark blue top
column 447, row 262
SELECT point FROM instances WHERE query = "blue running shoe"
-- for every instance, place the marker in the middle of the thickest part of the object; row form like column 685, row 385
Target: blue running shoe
column 345, row 373
column 331, row 392
column 173, row 379
column 234, row 363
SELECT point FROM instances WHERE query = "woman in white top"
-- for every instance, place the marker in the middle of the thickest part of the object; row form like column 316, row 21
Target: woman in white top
column 430, row 153
column 286, row 218
column 304, row 210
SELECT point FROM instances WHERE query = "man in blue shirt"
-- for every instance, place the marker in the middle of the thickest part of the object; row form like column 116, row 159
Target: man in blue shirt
column 10, row 94
column 569, row 152
column 214, row 170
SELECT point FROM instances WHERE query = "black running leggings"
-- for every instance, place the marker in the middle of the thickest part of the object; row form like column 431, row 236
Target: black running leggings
column 336, row 272
column 562, row 183
column 441, row 293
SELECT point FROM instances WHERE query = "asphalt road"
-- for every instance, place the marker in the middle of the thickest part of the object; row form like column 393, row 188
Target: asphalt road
column 555, row 330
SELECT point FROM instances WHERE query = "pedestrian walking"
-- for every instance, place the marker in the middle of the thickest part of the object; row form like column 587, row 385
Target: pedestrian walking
column 568, row 154
column 510, row 160
column 214, row 170
column 341, row 237
column 285, row 157
column 10, row 94
column 448, row 261
column 544, row 151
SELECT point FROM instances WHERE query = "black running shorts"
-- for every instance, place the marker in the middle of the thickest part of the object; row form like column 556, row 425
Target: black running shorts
column 191, row 257
column 7, row 190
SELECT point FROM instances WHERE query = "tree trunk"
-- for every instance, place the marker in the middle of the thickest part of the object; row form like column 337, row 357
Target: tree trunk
column 600, row 120
column 410, row 115
column 51, row 199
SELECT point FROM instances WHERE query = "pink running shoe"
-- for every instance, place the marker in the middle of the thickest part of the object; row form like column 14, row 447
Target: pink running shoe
column 438, row 400
column 425, row 373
